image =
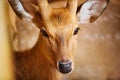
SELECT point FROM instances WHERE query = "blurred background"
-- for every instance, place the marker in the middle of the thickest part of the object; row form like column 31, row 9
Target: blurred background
column 98, row 51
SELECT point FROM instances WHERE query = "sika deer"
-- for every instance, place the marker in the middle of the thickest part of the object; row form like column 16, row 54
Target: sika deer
column 45, row 41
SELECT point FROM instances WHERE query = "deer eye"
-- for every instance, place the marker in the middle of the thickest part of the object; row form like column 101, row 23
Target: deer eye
column 76, row 31
column 44, row 33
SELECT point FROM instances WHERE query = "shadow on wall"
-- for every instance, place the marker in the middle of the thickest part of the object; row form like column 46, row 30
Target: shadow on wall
column 98, row 52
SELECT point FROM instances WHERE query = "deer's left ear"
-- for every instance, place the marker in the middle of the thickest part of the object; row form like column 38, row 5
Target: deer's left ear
column 91, row 10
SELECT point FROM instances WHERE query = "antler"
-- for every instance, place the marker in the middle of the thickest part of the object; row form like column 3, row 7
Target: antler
column 72, row 6
column 22, row 8
column 44, row 7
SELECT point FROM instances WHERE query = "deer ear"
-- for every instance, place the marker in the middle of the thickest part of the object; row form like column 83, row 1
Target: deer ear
column 91, row 10
column 25, row 37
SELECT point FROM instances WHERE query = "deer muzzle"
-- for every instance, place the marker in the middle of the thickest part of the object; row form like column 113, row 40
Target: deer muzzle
column 65, row 67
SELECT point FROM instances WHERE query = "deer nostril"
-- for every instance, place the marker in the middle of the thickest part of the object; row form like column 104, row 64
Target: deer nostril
column 65, row 67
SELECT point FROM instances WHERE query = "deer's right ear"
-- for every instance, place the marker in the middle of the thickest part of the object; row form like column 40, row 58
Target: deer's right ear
column 22, row 8
column 27, row 34
column 91, row 10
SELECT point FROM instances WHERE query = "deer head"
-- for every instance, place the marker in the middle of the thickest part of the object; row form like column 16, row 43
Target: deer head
column 58, row 27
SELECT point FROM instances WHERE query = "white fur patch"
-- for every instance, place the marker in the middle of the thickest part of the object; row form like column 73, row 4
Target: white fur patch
column 89, row 9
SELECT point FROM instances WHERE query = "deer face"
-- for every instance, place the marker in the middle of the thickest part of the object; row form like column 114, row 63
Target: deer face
column 59, row 27
column 60, row 39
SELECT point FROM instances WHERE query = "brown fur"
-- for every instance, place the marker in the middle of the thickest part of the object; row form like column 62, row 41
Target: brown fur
column 34, row 65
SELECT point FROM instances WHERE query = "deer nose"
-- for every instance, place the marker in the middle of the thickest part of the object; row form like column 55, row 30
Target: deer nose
column 65, row 67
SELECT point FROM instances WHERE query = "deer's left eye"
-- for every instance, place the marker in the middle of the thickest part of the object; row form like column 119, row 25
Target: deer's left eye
column 44, row 33
column 76, row 31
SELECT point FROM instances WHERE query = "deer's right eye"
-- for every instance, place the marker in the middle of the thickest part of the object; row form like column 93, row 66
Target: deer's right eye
column 44, row 33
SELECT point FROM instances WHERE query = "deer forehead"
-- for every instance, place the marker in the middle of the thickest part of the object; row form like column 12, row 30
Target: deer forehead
column 62, row 18
column 61, row 29
column 60, row 32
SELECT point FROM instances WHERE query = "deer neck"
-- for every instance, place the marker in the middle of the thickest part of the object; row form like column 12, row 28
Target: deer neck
column 34, row 65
